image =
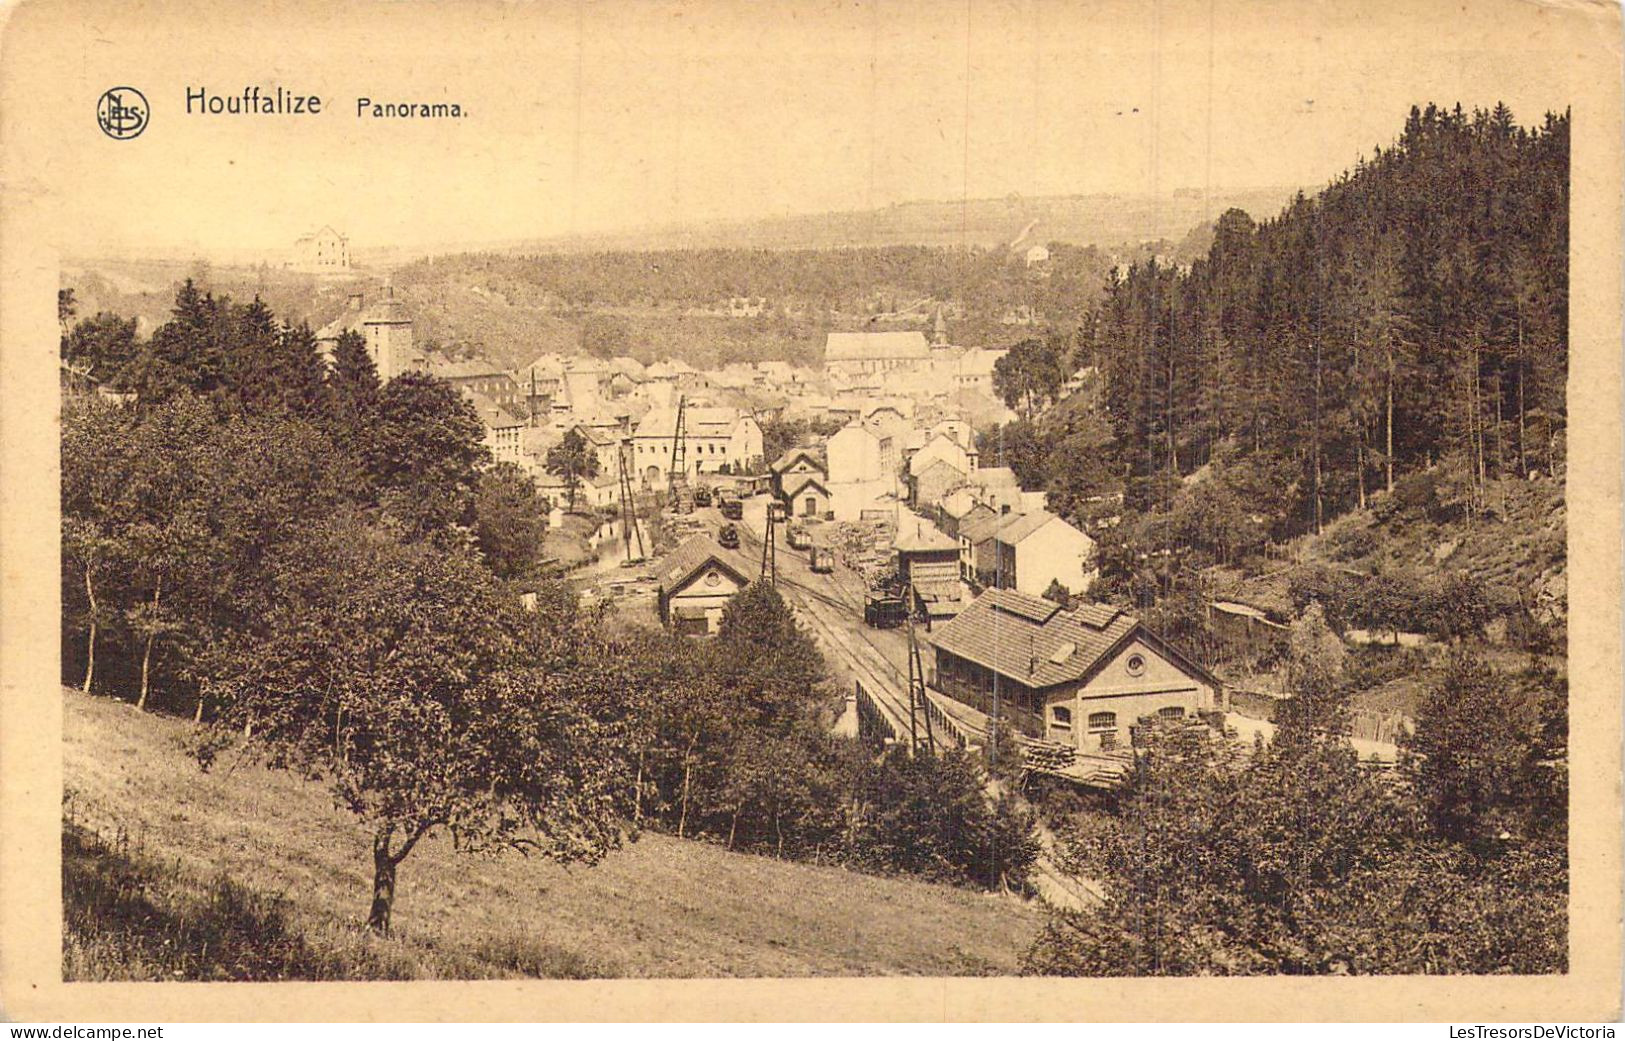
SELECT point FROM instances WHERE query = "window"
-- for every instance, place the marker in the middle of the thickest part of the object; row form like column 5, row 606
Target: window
column 1135, row 664
column 1100, row 721
column 1060, row 716
column 1171, row 712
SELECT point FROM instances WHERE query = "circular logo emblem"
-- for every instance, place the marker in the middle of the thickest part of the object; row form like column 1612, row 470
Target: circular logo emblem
column 122, row 113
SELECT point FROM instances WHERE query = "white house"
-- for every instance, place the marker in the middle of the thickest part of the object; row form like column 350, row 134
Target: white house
column 503, row 429
column 696, row 583
column 976, row 369
column 1034, row 549
column 715, row 439
column 942, row 448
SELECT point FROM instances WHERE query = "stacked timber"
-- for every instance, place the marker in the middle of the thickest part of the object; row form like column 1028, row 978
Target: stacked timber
column 1048, row 756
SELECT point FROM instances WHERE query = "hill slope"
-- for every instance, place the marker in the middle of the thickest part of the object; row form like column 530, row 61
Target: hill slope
column 148, row 830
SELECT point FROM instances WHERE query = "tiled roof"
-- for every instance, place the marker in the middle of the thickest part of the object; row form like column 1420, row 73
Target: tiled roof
column 491, row 414
column 866, row 346
column 922, row 538
column 1031, row 640
column 694, row 554
column 795, row 487
column 468, row 368
column 980, row 528
column 1017, row 528
column 697, row 421
column 785, row 461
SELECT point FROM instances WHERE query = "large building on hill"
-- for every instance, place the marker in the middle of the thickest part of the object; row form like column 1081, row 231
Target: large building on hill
column 852, row 354
column 1083, row 677
column 323, row 251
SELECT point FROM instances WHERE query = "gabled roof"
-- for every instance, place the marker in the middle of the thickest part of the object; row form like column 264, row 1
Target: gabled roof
column 937, row 464
column 788, row 459
column 923, row 538
column 981, row 529
column 491, row 414
column 599, row 435
column 465, row 368
column 1033, row 641
column 695, row 553
column 869, row 346
column 960, row 503
column 1019, row 527
column 806, row 481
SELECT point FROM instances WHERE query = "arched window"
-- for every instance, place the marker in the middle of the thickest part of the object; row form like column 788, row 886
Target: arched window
column 1101, row 721
column 1171, row 712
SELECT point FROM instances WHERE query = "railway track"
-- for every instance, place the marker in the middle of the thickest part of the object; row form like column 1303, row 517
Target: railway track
column 830, row 617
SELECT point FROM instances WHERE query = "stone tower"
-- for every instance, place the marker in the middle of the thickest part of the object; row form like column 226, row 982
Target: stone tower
column 389, row 336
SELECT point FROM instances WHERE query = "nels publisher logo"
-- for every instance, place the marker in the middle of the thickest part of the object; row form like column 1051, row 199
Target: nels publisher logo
column 122, row 113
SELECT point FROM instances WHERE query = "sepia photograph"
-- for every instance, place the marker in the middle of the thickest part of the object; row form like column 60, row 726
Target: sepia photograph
column 610, row 491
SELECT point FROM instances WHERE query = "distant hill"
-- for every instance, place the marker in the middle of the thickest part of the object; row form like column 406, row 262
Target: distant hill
column 1107, row 221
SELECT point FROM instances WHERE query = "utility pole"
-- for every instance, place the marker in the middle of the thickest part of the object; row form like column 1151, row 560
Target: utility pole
column 770, row 552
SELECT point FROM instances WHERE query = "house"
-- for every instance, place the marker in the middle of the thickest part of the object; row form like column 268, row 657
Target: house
column 959, row 508
column 503, row 429
column 978, row 557
column 1037, row 255
column 483, row 377
column 696, row 582
column 539, row 383
column 1082, row 677
column 996, row 487
column 856, row 454
column 956, row 429
column 944, row 448
column 928, row 561
column 975, row 372
column 323, row 251
column 716, row 440
column 793, row 467
column 605, row 444
column 927, row 487
column 1033, row 550
column 851, row 354
column 806, row 495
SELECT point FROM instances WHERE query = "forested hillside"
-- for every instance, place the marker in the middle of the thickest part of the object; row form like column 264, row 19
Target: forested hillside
column 1413, row 311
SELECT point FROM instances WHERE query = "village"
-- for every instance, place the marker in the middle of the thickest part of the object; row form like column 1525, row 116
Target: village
column 942, row 592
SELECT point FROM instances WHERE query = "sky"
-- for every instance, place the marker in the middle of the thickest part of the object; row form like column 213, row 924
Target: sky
column 584, row 117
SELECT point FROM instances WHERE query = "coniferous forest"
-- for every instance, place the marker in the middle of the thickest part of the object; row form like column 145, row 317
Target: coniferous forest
column 1414, row 311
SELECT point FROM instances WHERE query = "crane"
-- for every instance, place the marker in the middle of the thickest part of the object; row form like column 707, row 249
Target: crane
column 629, row 516
column 918, row 706
column 678, row 496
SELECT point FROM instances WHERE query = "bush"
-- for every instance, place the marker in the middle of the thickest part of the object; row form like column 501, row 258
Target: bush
column 929, row 815
column 1348, row 543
